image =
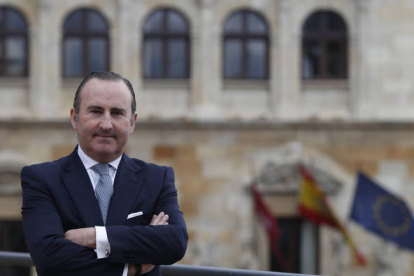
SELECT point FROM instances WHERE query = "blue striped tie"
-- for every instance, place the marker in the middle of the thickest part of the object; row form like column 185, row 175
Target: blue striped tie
column 104, row 189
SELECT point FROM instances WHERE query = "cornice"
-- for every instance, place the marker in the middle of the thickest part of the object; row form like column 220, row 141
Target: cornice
column 228, row 125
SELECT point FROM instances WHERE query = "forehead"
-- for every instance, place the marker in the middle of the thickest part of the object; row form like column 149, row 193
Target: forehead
column 97, row 92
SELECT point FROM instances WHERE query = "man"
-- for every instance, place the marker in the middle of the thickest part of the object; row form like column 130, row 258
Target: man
column 97, row 211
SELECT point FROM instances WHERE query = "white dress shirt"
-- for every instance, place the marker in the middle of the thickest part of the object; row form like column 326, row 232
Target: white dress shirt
column 103, row 248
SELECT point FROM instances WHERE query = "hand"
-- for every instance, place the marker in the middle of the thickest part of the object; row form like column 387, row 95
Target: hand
column 82, row 236
column 161, row 219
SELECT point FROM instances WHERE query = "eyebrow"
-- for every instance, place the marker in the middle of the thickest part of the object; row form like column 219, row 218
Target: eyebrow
column 118, row 110
column 95, row 107
column 112, row 109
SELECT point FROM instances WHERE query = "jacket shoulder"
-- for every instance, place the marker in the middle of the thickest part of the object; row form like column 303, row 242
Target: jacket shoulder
column 46, row 166
column 149, row 167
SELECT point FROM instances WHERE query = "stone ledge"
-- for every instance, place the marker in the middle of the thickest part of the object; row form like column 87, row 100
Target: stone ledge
column 221, row 125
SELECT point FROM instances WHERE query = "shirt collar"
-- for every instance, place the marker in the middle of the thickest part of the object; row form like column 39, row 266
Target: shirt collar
column 89, row 162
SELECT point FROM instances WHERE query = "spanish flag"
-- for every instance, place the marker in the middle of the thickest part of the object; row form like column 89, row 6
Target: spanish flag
column 314, row 206
column 271, row 225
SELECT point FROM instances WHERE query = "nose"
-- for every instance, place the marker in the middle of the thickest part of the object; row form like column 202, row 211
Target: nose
column 106, row 123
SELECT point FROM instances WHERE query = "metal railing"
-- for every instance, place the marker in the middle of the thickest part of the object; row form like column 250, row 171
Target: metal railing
column 24, row 259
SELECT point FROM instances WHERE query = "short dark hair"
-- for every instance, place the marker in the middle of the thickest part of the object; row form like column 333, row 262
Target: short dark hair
column 105, row 76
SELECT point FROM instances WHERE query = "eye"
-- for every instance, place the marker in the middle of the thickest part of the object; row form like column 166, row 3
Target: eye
column 117, row 113
column 95, row 111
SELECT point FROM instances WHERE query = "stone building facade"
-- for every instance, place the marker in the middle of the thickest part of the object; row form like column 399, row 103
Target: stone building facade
column 222, row 133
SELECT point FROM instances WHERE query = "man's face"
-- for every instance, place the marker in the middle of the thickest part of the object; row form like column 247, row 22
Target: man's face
column 104, row 122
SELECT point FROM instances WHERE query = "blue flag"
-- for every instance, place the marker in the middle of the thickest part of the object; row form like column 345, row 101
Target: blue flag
column 383, row 213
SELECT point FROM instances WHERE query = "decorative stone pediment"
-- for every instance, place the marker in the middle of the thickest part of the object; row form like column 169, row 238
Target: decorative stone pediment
column 287, row 178
column 278, row 170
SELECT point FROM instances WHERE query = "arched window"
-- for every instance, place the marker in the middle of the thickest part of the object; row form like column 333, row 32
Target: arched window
column 13, row 43
column 246, row 46
column 324, row 46
column 85, row 43
column 166, row 47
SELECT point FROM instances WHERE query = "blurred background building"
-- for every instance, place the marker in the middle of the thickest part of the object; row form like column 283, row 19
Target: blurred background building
column 229, row 92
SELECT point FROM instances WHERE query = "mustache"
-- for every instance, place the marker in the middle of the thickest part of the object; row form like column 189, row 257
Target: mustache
column 109, row 133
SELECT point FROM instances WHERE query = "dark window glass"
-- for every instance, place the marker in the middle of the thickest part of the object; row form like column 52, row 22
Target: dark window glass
column 96, row 23
column 324, row 46
column 166, row 48
column 298, row 245
column 85, row 43
column 73, row 56
column 256, row 24
column 73, row 22
column 311, row 57
column 234, row 24
column 245, row 49
column 15, row 21
column 13, row 43
column 97, row 49
column 154, row 23
column 176, row 23
column 256, row 63
column 153, row 58
column 177, row 49
column 16, row 51
column 233, row 54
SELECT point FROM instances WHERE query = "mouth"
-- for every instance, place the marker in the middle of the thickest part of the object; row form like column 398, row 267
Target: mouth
column 105, row 136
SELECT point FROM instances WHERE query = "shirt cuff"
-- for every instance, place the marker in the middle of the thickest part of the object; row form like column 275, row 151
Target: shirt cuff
column 125, row 273
column 103, row 248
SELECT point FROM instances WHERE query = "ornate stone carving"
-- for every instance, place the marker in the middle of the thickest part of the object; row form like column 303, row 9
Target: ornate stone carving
column 286, row 179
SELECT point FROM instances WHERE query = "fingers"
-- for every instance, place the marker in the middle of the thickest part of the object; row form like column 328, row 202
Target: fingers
column 161, row 219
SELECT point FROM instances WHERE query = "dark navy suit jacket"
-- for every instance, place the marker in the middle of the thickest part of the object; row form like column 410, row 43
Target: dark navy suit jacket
column 58, row 196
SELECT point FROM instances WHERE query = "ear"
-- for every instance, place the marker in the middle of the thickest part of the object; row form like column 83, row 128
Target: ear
column 73, row 119
column 133, row 123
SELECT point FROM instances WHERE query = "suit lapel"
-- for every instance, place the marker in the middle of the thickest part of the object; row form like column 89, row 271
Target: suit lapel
column 78, row 184
column 128, row 182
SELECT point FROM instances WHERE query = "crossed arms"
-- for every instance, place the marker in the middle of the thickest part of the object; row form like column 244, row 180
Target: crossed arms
column 56, row 251
column 87, row 237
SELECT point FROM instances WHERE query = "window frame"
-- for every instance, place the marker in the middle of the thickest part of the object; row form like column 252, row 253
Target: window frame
column 165, row 36
column 322, row 37
column 4, row 34
column 85, row 36
column 245, row 37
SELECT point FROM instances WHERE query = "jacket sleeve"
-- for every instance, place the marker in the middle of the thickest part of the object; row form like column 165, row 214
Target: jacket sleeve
column 159, row 245
column 43, row 230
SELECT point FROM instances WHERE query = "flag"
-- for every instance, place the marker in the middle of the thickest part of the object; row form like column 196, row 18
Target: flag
column 314, row 206
column 383, row 213
column 270, row 223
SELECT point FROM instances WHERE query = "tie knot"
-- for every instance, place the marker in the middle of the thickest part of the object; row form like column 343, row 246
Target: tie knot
column 101, row 168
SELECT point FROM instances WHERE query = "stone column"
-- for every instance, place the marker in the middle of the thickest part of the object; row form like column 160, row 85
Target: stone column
column 206, row 63
column 361, row 100
column 289, row 64
column 45, row 70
